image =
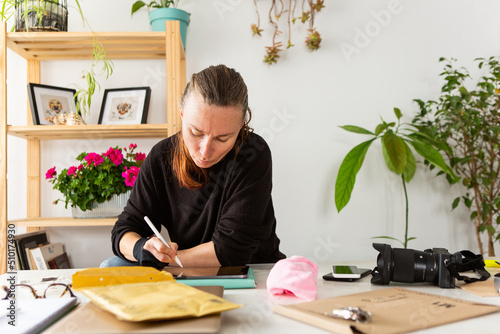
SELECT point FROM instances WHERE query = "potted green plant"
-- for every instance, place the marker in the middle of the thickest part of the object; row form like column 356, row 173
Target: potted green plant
column 164, row 10
column 278, row 8
column 466, row 121
column 396, row 139
column 97, row 178
column 42, row 15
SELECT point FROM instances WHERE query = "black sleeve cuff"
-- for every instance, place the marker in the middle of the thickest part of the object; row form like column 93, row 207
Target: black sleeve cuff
column 144, row 257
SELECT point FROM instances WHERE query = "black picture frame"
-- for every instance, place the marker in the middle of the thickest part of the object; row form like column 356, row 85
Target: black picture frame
column 48, row 101
column 125, row 105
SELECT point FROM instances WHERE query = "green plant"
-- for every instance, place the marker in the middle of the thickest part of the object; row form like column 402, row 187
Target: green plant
column 97, row 177
column 467, row 124
column 396, row 139
column 154, row 4
column 279, row 8
column 99, row 56
column 39, row 7
column 84, row 95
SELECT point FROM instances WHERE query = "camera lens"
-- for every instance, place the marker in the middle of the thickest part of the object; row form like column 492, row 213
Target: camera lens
column 403, row 265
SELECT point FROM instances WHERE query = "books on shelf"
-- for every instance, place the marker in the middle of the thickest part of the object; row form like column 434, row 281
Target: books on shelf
column 28, row 240
column 33, row 251
column 43, row 254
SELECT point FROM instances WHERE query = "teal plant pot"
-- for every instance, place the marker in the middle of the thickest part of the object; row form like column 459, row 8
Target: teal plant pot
column 157, row 18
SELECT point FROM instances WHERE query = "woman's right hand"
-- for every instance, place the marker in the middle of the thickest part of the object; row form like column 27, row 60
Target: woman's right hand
column 161, row 252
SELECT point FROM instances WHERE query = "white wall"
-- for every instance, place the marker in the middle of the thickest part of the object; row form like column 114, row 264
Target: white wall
column 298, row 105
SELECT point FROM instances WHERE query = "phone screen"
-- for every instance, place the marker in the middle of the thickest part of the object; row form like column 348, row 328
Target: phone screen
column 363, row 272
column 346, row 272
column 208, row 272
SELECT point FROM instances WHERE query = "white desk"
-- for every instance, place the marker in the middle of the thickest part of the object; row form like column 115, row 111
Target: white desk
column 257, row 317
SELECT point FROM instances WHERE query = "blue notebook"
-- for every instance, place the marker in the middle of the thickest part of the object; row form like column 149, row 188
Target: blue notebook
column 228, row 283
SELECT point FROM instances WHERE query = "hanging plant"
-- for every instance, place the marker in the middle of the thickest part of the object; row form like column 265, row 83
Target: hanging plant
column 32, row 15
column 280, row 8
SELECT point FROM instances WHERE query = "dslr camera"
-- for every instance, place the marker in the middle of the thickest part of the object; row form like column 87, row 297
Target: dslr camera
column 409, row 266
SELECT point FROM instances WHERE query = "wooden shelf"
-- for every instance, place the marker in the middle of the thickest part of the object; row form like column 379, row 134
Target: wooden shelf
column 66, row 221
column 39, row 46
column 51, row 132
column 79, row 45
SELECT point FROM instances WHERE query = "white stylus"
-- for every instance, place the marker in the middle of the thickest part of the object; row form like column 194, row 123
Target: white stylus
column 161, row 238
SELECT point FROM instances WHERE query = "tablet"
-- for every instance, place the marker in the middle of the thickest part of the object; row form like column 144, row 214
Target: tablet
column 208, row 272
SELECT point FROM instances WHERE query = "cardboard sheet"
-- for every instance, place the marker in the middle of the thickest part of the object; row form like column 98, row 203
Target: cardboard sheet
column 394, row 310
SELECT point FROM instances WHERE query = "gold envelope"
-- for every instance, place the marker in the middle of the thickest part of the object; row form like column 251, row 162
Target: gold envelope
column 394, row 310
column 88, row 318
column 156, row 301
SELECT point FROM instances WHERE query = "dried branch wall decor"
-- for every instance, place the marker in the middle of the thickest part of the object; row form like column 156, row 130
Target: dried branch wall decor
column 286, row 9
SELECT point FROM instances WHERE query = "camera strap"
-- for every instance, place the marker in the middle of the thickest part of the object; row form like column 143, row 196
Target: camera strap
column 470, row 262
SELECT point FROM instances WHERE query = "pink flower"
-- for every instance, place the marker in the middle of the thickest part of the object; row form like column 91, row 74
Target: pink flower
column 50, row 173
column 132, row 146
column 140, row 157
column 80, row 167
column 115, row 156
column 72, row 170
column 94, row 158
column 130, row 175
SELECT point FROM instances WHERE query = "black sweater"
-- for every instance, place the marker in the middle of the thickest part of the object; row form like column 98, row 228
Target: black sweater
column 234, row 210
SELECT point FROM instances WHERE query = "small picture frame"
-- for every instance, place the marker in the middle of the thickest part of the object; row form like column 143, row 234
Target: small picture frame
column 125, row 106
column 47, row 102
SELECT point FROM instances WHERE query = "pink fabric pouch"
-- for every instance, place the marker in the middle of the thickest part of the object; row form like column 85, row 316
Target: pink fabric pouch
column 296, row 276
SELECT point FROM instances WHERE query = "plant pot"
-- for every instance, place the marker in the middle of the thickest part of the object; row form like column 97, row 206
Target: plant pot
column 53, row 18
column 107, row 209
column 157, row 18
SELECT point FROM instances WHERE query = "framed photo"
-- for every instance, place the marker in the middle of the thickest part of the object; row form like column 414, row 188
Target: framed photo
column 47, row 102
column 125, row 106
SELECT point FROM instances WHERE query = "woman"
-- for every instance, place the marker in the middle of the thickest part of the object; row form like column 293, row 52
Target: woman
column 209, row 186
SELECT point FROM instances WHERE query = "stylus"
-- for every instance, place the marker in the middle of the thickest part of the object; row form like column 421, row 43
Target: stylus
column 161, row 238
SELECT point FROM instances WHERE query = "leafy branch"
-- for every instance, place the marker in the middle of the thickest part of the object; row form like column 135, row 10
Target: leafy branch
column 467, row 122
column 397, row 139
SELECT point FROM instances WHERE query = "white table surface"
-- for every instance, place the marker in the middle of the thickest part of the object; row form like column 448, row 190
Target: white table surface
column 257, row 317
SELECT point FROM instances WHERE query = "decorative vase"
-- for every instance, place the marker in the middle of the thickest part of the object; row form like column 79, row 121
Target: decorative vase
column 54, row 17
column 157, row 18
column 107, row 209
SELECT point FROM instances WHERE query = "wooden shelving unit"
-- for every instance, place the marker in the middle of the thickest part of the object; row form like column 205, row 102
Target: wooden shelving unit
column 40, row 46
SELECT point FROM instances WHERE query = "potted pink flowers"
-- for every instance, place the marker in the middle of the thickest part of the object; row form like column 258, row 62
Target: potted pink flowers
column 97, row 178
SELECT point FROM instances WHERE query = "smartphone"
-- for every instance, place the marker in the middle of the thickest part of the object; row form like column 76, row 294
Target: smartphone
column 362, row 273
column 345, row 272
column 208, row 272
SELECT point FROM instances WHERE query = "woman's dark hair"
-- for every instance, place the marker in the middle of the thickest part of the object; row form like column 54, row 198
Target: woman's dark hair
column 217, row 86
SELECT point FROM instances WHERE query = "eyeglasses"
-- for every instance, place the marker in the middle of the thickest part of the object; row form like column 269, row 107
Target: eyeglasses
column 54, row 290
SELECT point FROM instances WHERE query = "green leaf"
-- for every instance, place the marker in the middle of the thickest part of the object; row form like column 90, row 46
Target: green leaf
column 411, row 164
column 356, row 129
column 348, row 170
column 455, row 203
column 137, row 5
column 398, row 113
column 491, row 230
column 395, row 151
column 380, row 128
column 390, row 238
column 433, row 155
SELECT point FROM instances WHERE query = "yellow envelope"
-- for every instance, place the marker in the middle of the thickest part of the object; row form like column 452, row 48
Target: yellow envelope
column 156, row 301
column 118, row 275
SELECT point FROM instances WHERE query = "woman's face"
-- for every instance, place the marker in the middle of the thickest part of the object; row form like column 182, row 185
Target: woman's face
column 209, row 132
